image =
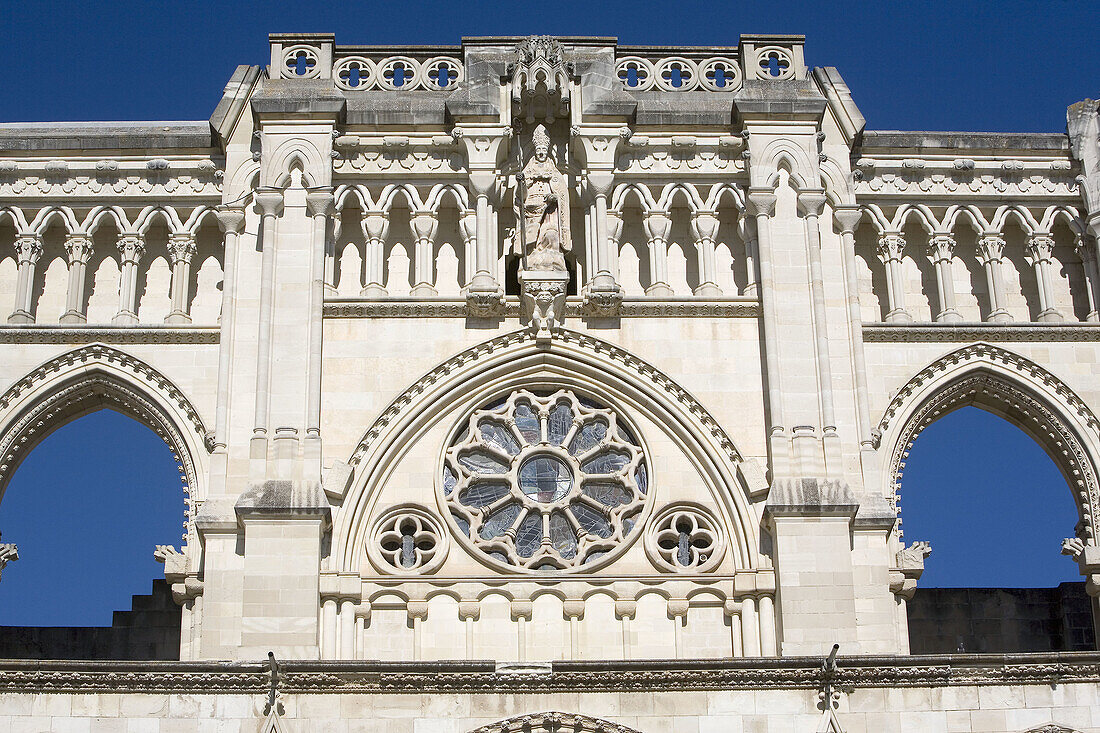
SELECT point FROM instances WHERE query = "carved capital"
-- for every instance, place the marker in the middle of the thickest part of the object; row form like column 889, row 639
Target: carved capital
column 704, row 226
column 1040, row 246
column 28, row 248
column 320, row 202
column 848, row 218
column 130, row 248
column 600, row 182
column 79, row 248
column 375, row 224
column 269, row 201
column 941, row 247
column 230, row 219
column 761, row 202
column 520, row 610
column 990, row 247
column 181, row 248
column 811, row 203
column 424, row 225
column 890, row 246
column 657, row 225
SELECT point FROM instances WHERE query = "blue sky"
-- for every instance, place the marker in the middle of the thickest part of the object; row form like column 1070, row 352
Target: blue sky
column 995, row 66
column 89, row 504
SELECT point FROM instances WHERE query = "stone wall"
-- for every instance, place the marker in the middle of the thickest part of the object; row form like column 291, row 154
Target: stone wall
column 149, row 630
column 987, row 620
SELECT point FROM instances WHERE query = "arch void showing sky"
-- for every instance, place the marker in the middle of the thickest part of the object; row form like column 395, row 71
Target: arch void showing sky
column 86, row 508
column 1008, row 66
column 991, row 502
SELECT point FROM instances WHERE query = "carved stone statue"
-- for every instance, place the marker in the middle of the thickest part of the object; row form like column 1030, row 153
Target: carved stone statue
column 545, row 231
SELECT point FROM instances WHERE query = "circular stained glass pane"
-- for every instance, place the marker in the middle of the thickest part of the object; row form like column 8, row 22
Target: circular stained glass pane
column 545, row 478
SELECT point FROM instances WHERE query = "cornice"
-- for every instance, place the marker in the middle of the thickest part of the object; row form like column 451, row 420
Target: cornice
column 50, row 334
column 962, row 332
column 38, row 676
column 456, row 308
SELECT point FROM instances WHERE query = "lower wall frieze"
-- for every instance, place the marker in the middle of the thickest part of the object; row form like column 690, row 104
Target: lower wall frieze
column 298, row 677
column 49, row 334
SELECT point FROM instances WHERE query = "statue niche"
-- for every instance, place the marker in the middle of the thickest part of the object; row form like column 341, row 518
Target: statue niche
column 544, row 237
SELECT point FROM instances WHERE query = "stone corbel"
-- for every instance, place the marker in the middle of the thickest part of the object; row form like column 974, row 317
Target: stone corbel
column 543, row 296
column 8, row 553
column 1087, row 558
column 910, row 566
column 177, row 571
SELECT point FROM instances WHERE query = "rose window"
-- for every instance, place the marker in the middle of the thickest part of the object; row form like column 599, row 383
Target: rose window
column 545, row 481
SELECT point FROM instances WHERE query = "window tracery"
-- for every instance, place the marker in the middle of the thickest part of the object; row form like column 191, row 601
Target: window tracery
column 545, row 481
column 407, row 539
column 685, row 537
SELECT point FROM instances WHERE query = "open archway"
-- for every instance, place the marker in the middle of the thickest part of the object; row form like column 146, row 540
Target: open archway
column 999, row 466
column 86, row 507
column 100, row 461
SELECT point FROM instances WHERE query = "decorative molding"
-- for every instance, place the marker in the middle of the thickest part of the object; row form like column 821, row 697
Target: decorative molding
column 644, row 156
column 685, row 537
column 1013, row 361
column 99, row 353
column 964, row 177
column 554, row 722
column 85, row 178
column 50, row 334
column 574, row 308
column 961, row 332
column 803, row 673
column 1032, row 414
column 428, row 543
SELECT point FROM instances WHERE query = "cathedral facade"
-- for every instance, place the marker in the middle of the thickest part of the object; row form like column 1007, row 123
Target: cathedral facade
column 550, row 384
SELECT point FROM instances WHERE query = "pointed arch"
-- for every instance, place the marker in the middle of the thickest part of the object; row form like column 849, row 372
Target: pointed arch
column 573, row 360
column 781, row 153
column 45, row 216
column 94, row 220
column 18, row 220
column 90, row 378
column 151, row 213
column 442, row 191
column 289, row 154
column 721, row 191
column 672, row 190
column 553, row 722
column 407, row 191
column 624, row 190
column 1014, row 388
